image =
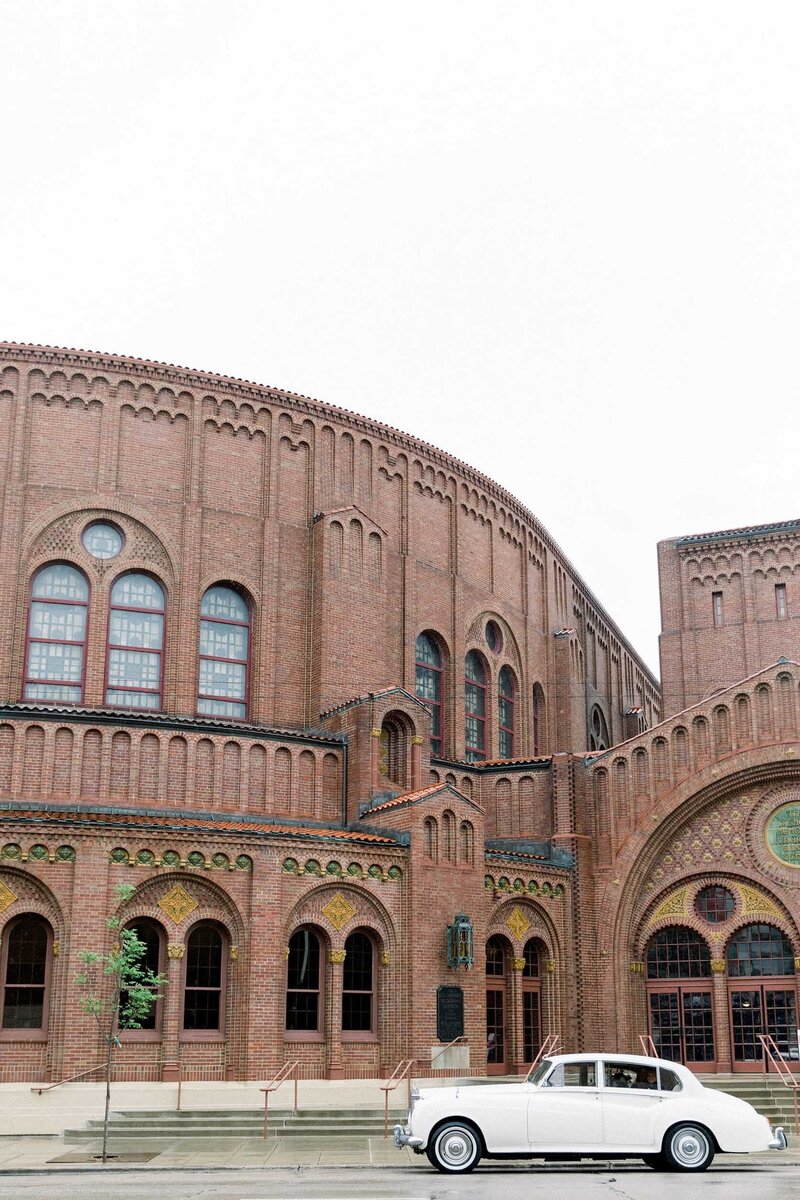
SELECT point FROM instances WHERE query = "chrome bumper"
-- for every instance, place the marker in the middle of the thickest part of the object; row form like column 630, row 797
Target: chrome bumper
column 778, row 1139
column 401, row 1138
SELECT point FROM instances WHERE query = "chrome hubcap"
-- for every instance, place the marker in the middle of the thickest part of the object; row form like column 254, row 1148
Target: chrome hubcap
column 690, row 1147
column 456, row 1148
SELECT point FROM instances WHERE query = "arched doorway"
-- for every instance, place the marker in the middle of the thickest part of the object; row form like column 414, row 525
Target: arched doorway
column 497, row 1001
column 679, row 996
column 531, row 1001
column 762, row 995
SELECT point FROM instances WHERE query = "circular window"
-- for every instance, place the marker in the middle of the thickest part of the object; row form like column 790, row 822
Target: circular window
column 102, row 540
column 494, row 638
column 714, row 904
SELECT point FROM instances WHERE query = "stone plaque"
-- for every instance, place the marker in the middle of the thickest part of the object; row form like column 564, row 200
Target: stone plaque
column 783, row 834
column 449, row 1013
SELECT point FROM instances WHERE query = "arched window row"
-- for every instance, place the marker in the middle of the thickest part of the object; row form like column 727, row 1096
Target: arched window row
column 57, row 632
column 678, row 952
column 488, row 705
column 305, row 987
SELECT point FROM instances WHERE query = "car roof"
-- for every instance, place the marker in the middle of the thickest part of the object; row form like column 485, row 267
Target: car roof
column 637, row 1060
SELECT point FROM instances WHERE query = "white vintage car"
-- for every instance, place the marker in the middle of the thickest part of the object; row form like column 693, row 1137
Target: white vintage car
column 586, row 1106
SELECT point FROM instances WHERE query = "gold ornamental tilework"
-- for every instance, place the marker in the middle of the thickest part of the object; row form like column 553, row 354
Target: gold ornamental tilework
column 517, row 922
column 518, row 964
column 718, row 966
column 674, row 906
column 339, row 911
column 337, row 956
column 7, row 897
column 177, row 904
column 754, row 901
column 175, row 950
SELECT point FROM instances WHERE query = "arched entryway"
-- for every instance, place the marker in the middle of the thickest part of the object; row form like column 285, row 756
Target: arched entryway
column 679, row 996
column 762, row 995
column 498, row 998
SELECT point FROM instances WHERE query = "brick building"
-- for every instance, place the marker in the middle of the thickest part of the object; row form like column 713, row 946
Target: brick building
column 315, row 688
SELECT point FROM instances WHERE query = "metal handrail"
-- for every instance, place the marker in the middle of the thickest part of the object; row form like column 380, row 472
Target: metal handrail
column 287, row 1071
column 548, row 1046
column 461, row 1038
column 397, row 1076
column 648, row 1045
column 128, row 1062
column 784, row 1071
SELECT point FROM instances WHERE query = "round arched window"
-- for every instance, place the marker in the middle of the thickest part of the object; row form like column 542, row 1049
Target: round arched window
column 494, row 637
column 678, row 952
column 102, row 539
column 714, row 904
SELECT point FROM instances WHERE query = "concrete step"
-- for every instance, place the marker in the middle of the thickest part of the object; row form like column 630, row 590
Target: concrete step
column 170, row 1125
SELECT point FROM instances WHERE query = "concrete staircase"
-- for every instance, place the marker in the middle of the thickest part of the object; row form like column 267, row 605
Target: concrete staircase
column 237, row 1123
column 767, row 1095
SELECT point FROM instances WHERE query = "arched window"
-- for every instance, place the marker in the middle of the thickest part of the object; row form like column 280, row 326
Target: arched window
column 55, row 658
column 135, row 643
column 505, row 712
column 25, row 975
column 760, row 950
column 429, row 685
column 467, row 843
column 303, row 985
column 152, row 935
column 531, row 1001
column 598, row 730
column 474, row 707
column 204, row 982
column 224, row 653
column 358, row 995
column 538, row 718
column 678, row 952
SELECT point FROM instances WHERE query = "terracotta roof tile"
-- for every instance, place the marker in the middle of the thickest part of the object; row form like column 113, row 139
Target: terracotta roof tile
column 182, row 822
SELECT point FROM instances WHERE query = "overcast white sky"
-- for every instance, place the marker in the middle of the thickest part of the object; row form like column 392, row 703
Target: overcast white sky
column 559, row 240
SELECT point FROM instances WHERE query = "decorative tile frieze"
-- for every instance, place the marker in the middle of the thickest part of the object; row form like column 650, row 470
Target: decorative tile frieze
column 339, row 911
column 518, row 922
column 7, row 897
column 177, row 904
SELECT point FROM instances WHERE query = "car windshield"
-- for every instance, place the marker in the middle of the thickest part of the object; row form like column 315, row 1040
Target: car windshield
column 540, row 1072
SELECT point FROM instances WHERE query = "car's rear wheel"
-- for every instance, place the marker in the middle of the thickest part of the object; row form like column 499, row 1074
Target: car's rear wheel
column 455, row 1148
column 688, row 1148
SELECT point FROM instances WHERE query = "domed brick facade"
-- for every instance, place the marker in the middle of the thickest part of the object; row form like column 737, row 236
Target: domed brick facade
column 314, row 688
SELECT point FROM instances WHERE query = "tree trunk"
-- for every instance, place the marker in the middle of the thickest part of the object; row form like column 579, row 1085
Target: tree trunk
column 109, row 1069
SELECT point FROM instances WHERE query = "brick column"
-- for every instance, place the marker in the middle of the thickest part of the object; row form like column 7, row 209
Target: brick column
column 416, row 762
column 723, row 1051
column 334, row 1006
column 172, row 1001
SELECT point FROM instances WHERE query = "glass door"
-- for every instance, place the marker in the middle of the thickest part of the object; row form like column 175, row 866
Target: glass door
column 682, row 1024
column 762, row 1008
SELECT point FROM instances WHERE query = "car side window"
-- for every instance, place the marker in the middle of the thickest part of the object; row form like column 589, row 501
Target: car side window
column 669, row 1080
column 573, row 1075
column 631, row 1075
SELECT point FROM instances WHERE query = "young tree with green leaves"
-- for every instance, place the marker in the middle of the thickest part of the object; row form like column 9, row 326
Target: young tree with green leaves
column 118, row 989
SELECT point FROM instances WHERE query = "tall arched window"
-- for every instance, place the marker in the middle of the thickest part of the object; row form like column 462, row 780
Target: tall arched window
column 505, row 712
column 304, row 985
column 449, row 835
column 678, row 952
column 358, row 994
column 430, row 832
column 152, row 935
column 56, row 652
column 474, row 707
column 24, row 975
column 429, row 685
column 224, row 653
column 204, row 982
column 135, row 643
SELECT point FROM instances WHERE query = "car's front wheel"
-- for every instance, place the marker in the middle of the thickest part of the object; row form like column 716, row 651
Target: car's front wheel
column 688, row 1148
column 455, row 1148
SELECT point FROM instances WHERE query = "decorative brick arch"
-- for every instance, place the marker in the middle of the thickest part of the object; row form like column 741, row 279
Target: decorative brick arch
column 368, row 913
